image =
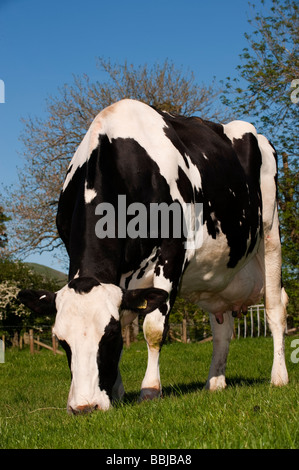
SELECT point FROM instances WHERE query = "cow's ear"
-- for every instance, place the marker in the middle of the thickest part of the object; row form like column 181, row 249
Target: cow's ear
column 39, row 301
column 143, row 301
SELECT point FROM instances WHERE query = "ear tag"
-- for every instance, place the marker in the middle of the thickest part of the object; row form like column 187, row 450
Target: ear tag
column 143, row 305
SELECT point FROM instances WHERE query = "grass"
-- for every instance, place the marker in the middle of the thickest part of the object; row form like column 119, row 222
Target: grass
column 249, row 414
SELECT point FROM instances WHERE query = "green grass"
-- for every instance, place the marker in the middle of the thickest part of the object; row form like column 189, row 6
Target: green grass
column 248, row 414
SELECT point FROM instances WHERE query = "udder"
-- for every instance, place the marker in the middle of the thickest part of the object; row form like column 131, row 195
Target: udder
column 244, row 289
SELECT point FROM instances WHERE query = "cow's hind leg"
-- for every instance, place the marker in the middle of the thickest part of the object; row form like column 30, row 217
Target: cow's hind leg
column 222, row 334
column 275, row 302
column 275, row 297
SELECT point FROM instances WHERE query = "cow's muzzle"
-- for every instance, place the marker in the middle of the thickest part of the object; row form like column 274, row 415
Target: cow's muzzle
column 82, row 409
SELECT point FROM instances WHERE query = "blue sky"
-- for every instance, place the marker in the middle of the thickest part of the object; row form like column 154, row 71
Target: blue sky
column 42, row 44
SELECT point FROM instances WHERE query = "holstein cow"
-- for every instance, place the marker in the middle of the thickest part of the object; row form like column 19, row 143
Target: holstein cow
column 150, row 157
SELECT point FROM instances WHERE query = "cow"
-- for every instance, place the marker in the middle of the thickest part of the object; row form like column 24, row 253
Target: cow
column 152, row 157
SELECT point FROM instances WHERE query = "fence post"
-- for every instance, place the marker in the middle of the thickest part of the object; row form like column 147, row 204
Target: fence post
column 54, row 345
column 184, row 332
column 127, row 336
column 31, row 342
column 2, row 350
column 258, row 322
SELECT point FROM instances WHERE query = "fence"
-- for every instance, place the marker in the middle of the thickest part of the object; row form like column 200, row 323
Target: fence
column 257, row 319
column 253, row 324
column 34, row 342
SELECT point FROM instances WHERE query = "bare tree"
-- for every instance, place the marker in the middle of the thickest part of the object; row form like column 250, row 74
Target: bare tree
column 50, row 142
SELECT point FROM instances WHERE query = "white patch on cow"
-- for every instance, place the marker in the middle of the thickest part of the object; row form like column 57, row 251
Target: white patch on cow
column 146, row 280
column 81, row 321
column 193, row 174
column 268, row 173
column 42, row 297
column 84, row 151
column 162, row 282
column 236, row 129
column 89, row 194
column 134, row 120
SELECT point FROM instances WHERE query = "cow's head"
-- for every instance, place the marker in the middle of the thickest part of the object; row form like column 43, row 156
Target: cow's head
column 88, row 327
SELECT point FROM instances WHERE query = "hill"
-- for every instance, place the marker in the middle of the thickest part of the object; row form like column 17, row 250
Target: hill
column 59, row 276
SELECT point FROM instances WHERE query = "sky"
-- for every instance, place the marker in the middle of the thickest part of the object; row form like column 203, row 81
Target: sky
column 43, row 44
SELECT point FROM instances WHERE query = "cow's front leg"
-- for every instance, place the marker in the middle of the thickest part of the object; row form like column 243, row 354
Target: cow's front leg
column 167, row 276
column 153, row 329
column 222, row 330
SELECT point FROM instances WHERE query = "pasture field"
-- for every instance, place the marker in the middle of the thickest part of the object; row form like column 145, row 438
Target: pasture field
column 249, row 414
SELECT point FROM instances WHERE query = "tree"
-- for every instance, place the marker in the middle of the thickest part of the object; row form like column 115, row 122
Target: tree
column 3, row 231
column 14, row 276
column 264, row 90
column 50, row 142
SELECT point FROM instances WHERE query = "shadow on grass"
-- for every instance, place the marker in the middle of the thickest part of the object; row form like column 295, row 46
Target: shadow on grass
column 182, row 389
column 242, row 381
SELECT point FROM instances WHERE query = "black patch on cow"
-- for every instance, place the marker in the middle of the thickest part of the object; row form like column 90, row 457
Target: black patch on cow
column 76, row 221
column 250, row 157
column 69, row 169
column 109, row 351
column 142, row 271
column 185, row 186
column 133, row 173
column 83, row 285
column 165, row 330
column 68, row 351
column 226, row 174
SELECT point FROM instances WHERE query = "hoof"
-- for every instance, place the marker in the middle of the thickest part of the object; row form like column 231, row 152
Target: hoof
column 216, row 383
column 149, row 394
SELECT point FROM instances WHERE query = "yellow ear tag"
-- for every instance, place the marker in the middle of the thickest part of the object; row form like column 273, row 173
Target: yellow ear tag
column 143, row 305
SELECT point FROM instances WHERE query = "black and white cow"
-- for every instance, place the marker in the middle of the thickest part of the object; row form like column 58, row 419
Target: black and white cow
column 151, row 157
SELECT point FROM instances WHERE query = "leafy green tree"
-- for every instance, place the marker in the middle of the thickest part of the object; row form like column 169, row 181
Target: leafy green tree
column 197, row 319
column 3, row 231
column 15, row 276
